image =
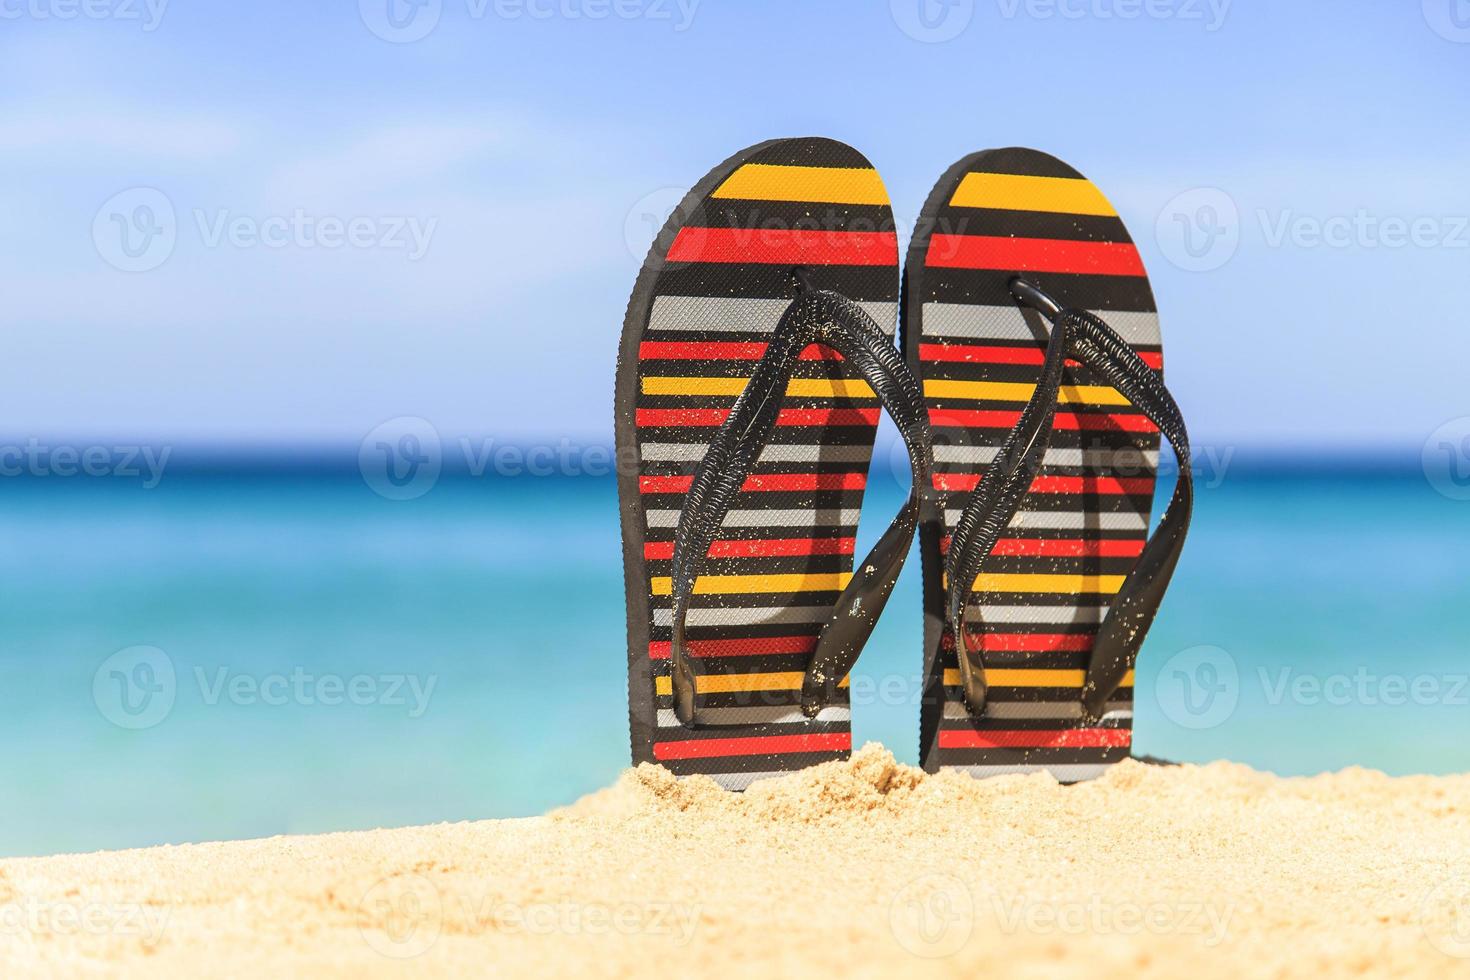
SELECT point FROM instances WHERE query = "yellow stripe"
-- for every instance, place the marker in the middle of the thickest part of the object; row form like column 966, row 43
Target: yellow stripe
column 1005, row 391
column 829, row 185
column 1013, row 192
column 1030, row 678
column 744, row 584
column 798, row 388
column 1067, row 584
column 735, row 683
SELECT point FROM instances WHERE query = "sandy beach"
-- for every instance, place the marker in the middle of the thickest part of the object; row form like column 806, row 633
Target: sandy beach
column 867, row 867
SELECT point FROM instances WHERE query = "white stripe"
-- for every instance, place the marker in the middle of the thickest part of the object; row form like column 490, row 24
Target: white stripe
column 1065, row 774
column 767, row 616
column 984, row 455
column 846, row 518
column 1009, row 323
column 1066, row 520
column 724, row 314
column 959, row 711
column 772, row 715
column 737, row 781
column 674, row 452
column 1038, row 614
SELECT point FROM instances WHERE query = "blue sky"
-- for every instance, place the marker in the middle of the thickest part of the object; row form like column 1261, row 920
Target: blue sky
column 498, row 177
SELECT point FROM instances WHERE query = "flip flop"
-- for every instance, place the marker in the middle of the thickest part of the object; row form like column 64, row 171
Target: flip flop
column 756, row 354
column 1029, row 318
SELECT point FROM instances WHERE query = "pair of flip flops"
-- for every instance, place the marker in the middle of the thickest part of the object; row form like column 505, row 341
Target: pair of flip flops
column 757, row 353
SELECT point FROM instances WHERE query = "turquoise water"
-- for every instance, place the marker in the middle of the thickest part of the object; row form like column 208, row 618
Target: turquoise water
column 270, row 595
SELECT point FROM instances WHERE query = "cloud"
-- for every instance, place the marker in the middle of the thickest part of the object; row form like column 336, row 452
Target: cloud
column 391, row 156
column 117, row 130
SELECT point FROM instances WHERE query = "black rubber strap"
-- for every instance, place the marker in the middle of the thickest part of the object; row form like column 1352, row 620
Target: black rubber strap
column 815, row 316
column 993, row 504
column 1078, row 334
column 1121, row 636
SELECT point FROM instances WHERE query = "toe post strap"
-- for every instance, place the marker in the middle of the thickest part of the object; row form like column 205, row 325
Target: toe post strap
column 813, row 317
column 997, row 498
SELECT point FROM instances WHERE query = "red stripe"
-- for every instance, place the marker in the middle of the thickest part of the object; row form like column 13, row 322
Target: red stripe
column 707, row 748
column 782, row 246
column 1057, row 548
column 981, row 354
column 1055, row 484
column 788, row 416
column 1034, row 255
column 659, row 350
column 986, row 419
column 758, row 482
column 1025, row 642
column 776, row 548
column 755, row 646
column 1068, row 738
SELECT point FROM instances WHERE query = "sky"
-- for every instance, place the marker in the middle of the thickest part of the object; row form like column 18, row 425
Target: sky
column 284, row 223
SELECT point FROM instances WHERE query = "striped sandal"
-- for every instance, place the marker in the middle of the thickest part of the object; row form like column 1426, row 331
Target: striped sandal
column 756, row 354
column 1029, row 317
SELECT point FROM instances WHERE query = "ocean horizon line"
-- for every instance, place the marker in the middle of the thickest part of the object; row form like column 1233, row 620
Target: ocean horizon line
column 565, row 459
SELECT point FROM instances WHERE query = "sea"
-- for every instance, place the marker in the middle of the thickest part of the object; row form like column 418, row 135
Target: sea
column 262, row 642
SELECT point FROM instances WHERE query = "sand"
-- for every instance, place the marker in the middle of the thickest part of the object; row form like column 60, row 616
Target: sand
column 866, row 867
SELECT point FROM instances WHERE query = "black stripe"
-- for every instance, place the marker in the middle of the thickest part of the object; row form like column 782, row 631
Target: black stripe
column 750, row 763
column 751, row 699
column 674, row 468
column 980, row 287
column 782, row 435
column 781, row 215
column 1035, row 565
column 1033, row 725
column 682, row 368
column 1012, row 659
column 1012, row 373
column 1031, row 757
column 712, row 337
column 812, row 151
column 779, row 565
column 994, row 222
column 1112, row 440
column 1020, row 160
column 859, row 283
column 790, row 401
